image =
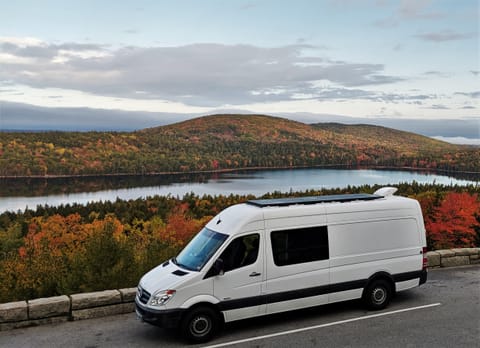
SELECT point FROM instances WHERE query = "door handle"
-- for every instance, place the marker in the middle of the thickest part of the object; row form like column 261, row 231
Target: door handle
column 254, row 274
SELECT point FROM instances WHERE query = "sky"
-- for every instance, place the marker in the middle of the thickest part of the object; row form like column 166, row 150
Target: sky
column 129, row 64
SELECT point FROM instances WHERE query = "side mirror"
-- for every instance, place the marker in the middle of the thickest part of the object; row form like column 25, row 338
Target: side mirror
column 218, row 267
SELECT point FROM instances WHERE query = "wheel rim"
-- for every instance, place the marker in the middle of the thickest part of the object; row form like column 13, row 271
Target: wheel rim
column 379, row 295
column 200, row 326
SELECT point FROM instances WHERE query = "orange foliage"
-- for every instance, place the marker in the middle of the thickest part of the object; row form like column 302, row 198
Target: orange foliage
column 117, row 228
column 61, row 235
column 452, row 223
column 179, row 228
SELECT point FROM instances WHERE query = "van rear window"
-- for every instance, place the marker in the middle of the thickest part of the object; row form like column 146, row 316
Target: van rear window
column 299, row 245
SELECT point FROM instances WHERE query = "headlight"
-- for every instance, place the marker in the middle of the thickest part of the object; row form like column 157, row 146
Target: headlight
column 161, row 297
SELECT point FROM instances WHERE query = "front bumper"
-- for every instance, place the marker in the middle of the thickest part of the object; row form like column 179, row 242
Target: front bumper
column 169, row 318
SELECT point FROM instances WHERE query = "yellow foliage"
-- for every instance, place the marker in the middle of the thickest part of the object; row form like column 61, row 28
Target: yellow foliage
column 60, row 151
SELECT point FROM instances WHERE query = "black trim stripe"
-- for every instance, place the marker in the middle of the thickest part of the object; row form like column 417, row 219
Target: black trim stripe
column 242, row 302
column 401, row 277
column 308, row 292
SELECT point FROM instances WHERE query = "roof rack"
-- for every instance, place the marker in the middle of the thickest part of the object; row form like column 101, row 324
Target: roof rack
column 279, row 202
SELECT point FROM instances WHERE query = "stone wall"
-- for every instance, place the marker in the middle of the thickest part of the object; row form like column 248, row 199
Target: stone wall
column 64, row 308
column 453, row 257
column 110, row 302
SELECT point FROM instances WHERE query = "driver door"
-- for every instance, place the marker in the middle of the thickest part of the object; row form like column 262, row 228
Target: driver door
column 239, row 288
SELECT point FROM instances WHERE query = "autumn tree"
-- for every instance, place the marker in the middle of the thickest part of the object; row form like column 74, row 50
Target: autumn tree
column 452, row 224
column 107, row 260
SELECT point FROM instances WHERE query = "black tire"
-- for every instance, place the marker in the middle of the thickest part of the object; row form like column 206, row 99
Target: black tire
column 377, row 294
column 200, row 324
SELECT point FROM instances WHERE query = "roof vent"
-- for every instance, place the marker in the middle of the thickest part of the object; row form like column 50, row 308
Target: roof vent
column 386, row 191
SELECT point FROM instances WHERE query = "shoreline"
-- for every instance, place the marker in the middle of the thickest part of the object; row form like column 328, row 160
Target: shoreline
column 229, row 170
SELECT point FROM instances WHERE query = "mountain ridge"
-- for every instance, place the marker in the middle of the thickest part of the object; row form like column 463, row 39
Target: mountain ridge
column 324, row 126
column 226, row 142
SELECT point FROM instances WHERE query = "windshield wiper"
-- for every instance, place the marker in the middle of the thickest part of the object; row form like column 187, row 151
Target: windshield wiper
column 175, row 262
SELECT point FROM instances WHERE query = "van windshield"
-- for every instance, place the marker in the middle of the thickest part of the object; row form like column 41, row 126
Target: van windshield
column 200, row 249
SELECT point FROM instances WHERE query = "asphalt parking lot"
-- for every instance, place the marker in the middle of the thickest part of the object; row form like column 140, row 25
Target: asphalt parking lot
column 444, row 312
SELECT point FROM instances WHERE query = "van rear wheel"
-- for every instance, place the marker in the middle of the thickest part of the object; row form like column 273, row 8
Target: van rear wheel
column 199, row 324
column 378, row 294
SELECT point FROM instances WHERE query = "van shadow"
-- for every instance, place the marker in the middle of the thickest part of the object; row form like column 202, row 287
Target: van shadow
column 296, row 317
column 312, row 316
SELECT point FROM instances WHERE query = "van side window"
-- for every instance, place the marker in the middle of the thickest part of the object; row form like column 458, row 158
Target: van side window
column 299, row 245
column 242, row 251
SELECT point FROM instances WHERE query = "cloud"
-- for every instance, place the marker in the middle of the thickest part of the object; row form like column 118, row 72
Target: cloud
column 438, row 107
column 21, row 41
column 247, row 5
column 475, row 94
column 197, row 74
column 409, row 10
column 458, row 140
column 386, row 23
column 349, row 94
column 41, row 51
column 131, row 31
column 19, row 116
column 445, row 35
column 398, row 47
column 436, row 74
column 415, row 9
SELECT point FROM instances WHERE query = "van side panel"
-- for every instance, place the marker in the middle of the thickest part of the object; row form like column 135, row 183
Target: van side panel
column 362, row 248
column 371, row 237
column 297, row 285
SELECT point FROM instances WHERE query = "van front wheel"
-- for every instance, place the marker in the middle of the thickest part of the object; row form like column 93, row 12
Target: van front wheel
column 199, row 325
column 378, row 294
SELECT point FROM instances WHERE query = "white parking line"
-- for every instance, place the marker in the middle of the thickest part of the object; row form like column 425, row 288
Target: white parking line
column 322, row 325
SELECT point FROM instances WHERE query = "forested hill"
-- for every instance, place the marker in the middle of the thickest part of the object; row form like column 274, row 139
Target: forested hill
column 226, row 142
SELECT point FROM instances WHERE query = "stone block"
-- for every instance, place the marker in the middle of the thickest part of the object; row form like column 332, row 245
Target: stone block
column 455, row 261
column 464, row 251
column 97, row 312
column 128, row 295
column 446, row 253
column 474, row 259
column 433, row 259
column 95, row 299
column 13, row 311
column 49, row 307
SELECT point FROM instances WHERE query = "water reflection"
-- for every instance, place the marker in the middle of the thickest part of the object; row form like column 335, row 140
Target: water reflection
column 19, row 194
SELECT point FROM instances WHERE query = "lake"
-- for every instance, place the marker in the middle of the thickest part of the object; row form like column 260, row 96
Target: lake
column 19, row 194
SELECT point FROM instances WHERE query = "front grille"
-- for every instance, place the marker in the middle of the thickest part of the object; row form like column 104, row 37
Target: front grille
column 143, row 295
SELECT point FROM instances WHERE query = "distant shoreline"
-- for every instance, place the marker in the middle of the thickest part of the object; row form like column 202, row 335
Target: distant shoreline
column 229, row 170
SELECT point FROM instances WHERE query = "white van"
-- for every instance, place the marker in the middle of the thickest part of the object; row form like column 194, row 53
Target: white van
column 275, row 255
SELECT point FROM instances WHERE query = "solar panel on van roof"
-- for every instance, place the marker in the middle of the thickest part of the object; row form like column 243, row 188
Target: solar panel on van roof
column 276, row 202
